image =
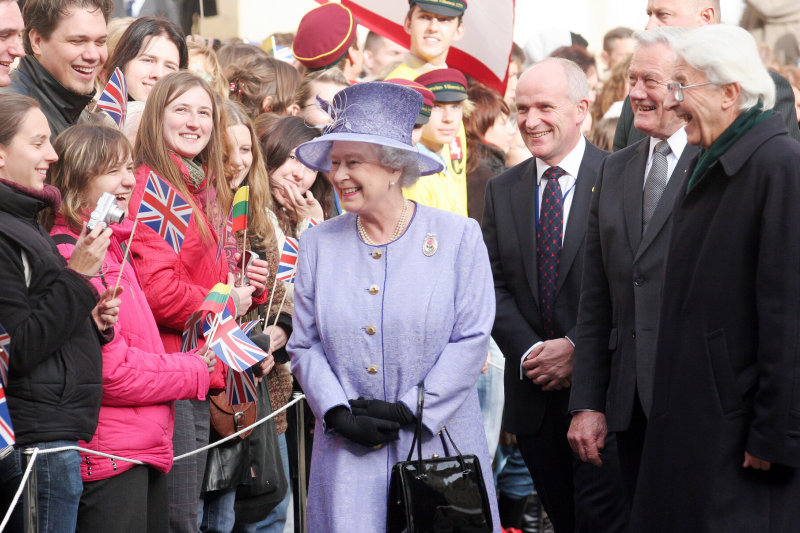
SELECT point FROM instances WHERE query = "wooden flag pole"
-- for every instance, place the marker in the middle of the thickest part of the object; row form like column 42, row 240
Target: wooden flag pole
column 283, row 300
column 125, row 256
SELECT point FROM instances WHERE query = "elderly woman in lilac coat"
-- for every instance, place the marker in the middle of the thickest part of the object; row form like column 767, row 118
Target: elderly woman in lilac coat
column 388, row 295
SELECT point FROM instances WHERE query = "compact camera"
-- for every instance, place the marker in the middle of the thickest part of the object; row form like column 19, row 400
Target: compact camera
column 106, row 212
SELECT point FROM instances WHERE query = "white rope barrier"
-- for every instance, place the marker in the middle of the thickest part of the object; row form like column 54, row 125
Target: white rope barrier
column 35, row 452
column 499, row 367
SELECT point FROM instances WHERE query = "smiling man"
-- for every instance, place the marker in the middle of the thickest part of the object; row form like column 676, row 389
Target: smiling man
column 65, row 47
column 11, row 27
column 626, row 249
column 534, row 225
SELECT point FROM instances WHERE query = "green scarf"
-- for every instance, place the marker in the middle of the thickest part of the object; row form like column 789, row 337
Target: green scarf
column 743, row 123
column 196, row 172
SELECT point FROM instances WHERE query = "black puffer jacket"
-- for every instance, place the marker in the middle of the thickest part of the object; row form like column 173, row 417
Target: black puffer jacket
column 55, row 366
column 62, row 107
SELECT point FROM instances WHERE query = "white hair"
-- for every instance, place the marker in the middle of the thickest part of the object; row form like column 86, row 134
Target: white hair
column 728, row 54
column 400, row 159
column 661, row 35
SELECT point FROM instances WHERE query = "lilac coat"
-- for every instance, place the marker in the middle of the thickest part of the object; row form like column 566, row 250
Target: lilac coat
column 431, row 317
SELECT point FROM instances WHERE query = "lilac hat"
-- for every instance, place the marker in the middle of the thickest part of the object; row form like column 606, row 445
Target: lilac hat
column 374, row 112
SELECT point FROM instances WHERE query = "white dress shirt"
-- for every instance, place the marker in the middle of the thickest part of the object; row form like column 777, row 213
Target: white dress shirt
column 676, row 142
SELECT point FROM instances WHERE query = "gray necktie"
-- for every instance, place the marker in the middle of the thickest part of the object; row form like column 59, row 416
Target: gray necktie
column 656, row 182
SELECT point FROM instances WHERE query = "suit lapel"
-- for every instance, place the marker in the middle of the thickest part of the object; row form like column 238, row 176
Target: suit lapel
column 579, row 212
column 523, row 208
column 632, row 193
column 667, row 201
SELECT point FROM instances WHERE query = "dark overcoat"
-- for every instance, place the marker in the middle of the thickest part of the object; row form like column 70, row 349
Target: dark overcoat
column 727, row 376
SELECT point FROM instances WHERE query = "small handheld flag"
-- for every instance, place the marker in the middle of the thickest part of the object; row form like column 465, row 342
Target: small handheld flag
column 230, row 344
column 5, row 353
column 114, row 100
column 218, row 298
column 165, row 211
column 240, row 204
column 241, row 387
column 6, row 430
column 288, row 261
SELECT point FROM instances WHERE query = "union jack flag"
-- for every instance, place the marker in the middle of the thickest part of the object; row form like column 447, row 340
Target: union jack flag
column 6, row 431
column 114, row 100
column 247, row 327
column 191, row 334
column 241, row 387
column 288, row 261
column 312, row 222
column 165, row 211
column 229, row 342
column 5, row 341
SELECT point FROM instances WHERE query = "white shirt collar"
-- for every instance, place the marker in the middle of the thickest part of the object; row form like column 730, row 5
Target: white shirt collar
column 676, row 142
column 571, row 164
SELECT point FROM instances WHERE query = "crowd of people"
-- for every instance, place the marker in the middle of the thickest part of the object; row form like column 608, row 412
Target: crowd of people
column 612, row 335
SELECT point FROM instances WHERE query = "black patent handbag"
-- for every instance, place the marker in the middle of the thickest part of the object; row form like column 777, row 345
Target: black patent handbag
column 437, row 495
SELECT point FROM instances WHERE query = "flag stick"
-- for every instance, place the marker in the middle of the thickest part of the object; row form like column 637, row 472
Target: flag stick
column 283, row 300
column 271, row 296
column 125, row 257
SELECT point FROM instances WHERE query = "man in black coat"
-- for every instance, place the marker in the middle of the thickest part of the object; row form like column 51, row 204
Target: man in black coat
column 536, row 257
column 693, row 14
column 626, row 245
column 722, row 449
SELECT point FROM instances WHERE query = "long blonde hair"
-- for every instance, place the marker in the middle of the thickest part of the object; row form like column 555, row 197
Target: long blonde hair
column 152, row 150
column 260, row 231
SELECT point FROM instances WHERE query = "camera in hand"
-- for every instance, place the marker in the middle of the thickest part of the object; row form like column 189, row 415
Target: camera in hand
column 106, row 212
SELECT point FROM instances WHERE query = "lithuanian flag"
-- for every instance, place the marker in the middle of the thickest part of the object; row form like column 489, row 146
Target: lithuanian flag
column 239, row 214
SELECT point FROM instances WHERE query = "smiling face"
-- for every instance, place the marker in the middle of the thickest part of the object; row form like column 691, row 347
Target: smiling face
column 11, row 27
column 432, row 34
column 241, row 156
column 188, row 121
column 293, row 171
column 26, row 158
column 363, row 184
column 702, row 108
column 650, row 72
column 501, row 133
column 157, row 57
column 75, row 51
column 550, row 123
column 442, row 127
column 118, row 181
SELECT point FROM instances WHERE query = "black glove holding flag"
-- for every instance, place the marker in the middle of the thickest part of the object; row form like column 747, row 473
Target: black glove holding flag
column 364, row 430
column 394, row 411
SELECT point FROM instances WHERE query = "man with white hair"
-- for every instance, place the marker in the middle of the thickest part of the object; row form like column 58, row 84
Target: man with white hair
column 722, row 448
column 694, row 14
column 626, row 247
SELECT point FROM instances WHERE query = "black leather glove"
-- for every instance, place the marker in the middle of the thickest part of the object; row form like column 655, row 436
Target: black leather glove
column 394, row 411
column 364, row 430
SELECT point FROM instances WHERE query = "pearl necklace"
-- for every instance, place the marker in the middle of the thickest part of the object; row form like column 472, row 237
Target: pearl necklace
column 398, row 230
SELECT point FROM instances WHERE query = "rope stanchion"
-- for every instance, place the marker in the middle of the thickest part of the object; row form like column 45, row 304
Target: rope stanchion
column 35, row 452
column 21, row 487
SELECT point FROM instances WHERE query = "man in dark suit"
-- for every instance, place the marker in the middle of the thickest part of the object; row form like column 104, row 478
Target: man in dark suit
column 693, row 14
column 534, row 225
column 626, row 243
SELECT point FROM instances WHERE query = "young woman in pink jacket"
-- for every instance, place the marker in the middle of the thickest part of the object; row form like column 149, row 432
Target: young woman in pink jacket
column 140, row 379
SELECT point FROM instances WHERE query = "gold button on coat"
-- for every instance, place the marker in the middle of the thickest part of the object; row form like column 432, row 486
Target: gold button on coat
column 373, row 289
column 372, row 369
column 377, row 254
column 371, row 330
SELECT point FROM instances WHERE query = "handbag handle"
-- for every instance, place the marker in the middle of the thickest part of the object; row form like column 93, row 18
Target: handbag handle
column 418, row 438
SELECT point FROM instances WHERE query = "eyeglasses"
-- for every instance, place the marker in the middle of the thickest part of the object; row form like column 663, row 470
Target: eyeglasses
column 676, row 89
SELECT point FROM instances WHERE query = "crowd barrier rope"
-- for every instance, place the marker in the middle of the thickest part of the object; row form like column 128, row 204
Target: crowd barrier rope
column 33, row 453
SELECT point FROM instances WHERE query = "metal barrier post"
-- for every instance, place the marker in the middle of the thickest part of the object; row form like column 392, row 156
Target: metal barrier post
column 31, row 499
column 301, row 462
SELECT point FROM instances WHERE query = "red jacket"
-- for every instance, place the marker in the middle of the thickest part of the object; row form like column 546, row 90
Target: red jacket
column 140, row 380
column 176, row 283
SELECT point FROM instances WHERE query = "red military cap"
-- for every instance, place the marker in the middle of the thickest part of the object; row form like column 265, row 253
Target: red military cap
column 427, row 95
column 448, row 8
column 447, row 84
column 324, row 35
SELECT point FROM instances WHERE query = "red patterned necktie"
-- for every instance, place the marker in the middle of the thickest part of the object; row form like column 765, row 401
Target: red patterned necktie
column 548, row 246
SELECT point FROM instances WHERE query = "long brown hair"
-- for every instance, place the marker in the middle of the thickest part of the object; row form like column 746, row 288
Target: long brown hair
column 84, row 152
column 488, row 105
column 277, row 143
column 151, row 148
column 260, row 231
column 252, row 81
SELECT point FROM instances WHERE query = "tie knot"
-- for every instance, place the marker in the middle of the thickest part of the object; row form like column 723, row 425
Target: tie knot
column 553, row 173
column 662, row 147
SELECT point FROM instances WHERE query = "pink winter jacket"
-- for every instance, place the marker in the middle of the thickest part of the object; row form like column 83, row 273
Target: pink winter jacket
column 140, row 381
